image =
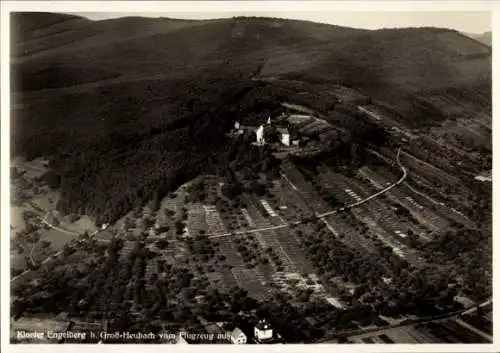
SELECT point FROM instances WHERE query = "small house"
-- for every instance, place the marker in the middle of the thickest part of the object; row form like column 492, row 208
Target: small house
column 238, row 337
column 263, row 331
column 284, row 136
column 260, row 135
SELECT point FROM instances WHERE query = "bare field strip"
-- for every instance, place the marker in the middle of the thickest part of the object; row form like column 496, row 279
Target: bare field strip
column 419, row 210
column 439, row 209
column 305, row 190
column 293, row 251
column 81, row 225
column 295, row 206
column 196, row 219
column 268, row 238
column 427, row 170
column 351, row 236
column 251, row 280
column 240, row 275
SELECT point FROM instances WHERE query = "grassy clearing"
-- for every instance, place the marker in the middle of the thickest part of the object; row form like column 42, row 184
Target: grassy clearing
column 17, row 261
column 48, row 201
column 105, row 235
column 56, row 238
column 33, row 169
column 81, row 225
column 17, row 219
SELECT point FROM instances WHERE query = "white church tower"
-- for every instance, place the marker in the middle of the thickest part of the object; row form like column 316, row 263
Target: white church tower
column 269, row 120
column 260, row 135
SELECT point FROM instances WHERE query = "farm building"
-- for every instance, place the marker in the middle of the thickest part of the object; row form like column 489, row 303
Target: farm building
column 284, row 136
column 260, row 135
column 263, row 331
column 465, row 301
column 238, row 337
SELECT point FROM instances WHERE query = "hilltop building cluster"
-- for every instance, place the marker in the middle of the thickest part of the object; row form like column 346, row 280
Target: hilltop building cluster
column 260, row 133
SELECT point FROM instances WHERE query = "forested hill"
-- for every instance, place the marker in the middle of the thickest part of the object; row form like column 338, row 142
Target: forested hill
column 411, row 59
column 133, row 103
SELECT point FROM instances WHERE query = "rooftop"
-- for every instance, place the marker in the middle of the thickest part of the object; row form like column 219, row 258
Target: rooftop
column 263, row 325
column 236, row 332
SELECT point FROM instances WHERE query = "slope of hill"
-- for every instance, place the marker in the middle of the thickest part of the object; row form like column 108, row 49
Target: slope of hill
column 484, row 38
column 112, row 101
column 149, row 46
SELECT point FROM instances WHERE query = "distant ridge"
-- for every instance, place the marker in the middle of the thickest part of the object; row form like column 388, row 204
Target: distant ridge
column 484, row 38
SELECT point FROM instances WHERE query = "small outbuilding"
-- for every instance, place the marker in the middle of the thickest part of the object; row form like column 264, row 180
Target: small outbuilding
column 284, row 136
column 238, row 337
column 263, row 331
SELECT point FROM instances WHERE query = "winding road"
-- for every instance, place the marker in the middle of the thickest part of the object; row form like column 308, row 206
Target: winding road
column 323, row 215
column 378, row 193
column 44, row 220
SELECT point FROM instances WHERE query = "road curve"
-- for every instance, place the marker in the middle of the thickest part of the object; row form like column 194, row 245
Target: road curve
column 378, row 193
column 322, row 215
column 44, row 221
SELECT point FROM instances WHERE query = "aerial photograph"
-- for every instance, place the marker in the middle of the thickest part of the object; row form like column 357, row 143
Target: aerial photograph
column 250, row 178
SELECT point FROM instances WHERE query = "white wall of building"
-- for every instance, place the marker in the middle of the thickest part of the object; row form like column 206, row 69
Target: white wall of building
column 260, row 134
column 263, row 334
column 285, row 139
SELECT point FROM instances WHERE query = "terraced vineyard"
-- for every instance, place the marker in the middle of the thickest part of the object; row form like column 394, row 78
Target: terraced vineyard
column 289, row 204
column 348, row 229
column 269, row 239
column 196, row 219
column 239, row 274
column 251, row 280
column 292, row 249
column 304, row 189
column 128, row 247
column 427, row 220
